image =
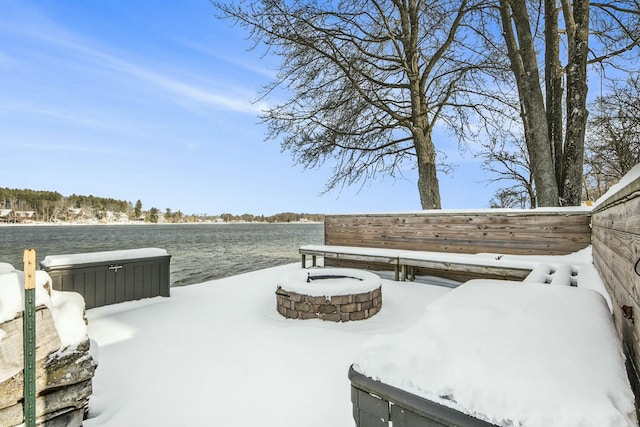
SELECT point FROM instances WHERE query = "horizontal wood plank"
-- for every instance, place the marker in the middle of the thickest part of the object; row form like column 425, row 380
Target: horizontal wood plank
column 616, row 251
column 522, row 234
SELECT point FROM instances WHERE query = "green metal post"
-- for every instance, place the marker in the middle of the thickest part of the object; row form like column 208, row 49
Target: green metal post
column 29, row 338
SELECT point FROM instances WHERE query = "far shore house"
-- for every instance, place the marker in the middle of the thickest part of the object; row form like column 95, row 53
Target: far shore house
column 73, row 214
column 9, row 215
column 25, row 216
column 5, row 215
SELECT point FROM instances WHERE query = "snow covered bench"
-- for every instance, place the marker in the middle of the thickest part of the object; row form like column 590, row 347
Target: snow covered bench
column 404, row 262
column 558, row 270
column 504, row 353
column 350, row 253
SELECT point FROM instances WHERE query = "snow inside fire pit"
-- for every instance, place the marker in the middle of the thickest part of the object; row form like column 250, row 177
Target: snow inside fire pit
column 336, row 294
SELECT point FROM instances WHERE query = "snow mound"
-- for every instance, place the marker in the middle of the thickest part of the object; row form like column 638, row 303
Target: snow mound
column 511, row 353
column 67, row 308
column 329, row 281
column 97, row 257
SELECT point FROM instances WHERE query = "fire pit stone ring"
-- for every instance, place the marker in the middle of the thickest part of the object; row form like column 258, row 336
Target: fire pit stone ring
column 335, row 294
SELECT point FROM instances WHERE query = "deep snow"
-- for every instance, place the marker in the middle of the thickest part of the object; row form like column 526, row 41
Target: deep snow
column 219, row 354
column 514, row 354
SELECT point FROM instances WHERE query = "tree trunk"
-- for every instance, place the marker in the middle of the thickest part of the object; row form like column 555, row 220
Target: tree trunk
column 554, row 91
column 524, row 65
column 428, row 185
column 577, row 20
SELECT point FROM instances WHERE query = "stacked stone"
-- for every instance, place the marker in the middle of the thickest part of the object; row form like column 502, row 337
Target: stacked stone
column 336, row 308
column 63, row 375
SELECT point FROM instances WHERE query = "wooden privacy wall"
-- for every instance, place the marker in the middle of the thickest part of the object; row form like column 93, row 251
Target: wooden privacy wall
column 616, row 255
column 529, row 232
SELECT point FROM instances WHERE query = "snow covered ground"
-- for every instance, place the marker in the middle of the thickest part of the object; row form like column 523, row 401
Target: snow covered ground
column 219, row 354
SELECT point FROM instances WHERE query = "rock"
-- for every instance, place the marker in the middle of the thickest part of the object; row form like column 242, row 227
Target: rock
column 60, row 369
column 50, row 406
column 11, row 352
column 63, row 376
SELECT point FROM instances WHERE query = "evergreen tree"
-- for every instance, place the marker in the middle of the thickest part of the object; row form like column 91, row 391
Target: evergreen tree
column 153, row 215
column 137, row 210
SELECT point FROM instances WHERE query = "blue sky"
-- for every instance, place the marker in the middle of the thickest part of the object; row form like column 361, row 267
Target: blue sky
column 153, row 101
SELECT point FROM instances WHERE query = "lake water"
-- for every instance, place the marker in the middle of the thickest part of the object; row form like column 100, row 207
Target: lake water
column 199, row 252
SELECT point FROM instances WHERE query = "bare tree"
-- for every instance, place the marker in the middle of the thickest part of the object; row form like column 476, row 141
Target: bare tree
column 555, row 119
column 367, row 81
column 509, row 198
column 613, row 142
column 506, row 158
column 519, row 39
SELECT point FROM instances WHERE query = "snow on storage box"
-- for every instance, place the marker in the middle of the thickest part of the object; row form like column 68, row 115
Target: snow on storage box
column 104, row 278
column 510, row 354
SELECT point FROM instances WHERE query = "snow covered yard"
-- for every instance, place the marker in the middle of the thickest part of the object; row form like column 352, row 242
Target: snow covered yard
column 219, row 354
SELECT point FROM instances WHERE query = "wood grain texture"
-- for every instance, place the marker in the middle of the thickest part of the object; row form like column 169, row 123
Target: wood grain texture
column 518, row 234
column 616, row 250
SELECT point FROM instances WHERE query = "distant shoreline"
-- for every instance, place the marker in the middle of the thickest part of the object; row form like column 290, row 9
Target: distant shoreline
column 80, row 224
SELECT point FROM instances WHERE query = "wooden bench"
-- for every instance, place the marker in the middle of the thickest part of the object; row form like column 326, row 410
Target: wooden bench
column 405, row 262
column 348, row 253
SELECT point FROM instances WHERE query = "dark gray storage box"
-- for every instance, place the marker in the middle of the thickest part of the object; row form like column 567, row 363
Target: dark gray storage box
column 104, row 278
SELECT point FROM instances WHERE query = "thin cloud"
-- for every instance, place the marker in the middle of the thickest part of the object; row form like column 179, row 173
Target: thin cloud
column 55, row 114
column 246, row 65
column 6, row 61
column 176, row 87
column 53, row 34
column 106, row 124
column 73, row 148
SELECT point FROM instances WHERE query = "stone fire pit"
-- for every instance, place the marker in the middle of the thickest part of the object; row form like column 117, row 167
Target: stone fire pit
column 336, row 294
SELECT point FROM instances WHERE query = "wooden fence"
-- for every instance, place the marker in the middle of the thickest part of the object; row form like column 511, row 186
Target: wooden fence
column 489, row 231
column 496, row 231
column 616, row 255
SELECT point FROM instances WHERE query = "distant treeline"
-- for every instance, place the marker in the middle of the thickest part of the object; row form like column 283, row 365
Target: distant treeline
column 50, row 206
column 280, row 217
